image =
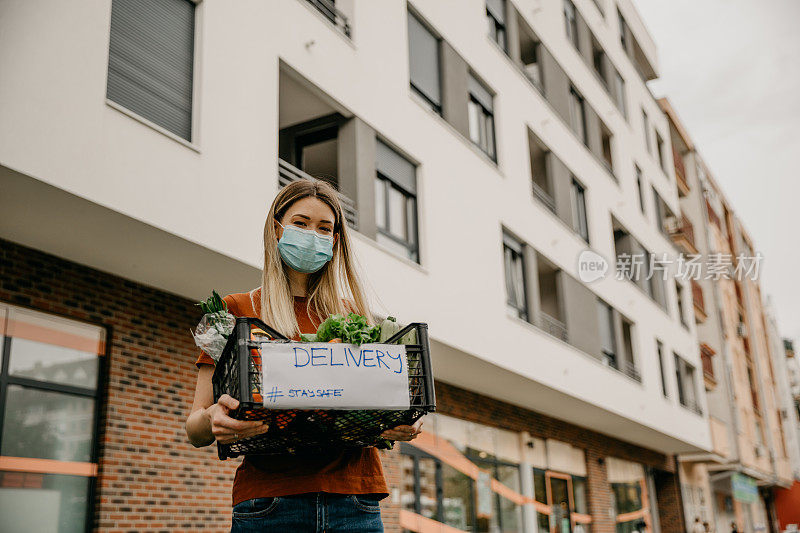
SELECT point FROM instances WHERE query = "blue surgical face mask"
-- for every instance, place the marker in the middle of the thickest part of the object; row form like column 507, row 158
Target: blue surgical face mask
column 304, row 250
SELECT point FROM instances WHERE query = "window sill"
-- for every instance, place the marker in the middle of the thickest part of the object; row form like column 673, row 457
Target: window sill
column 152, row 125
column 468, row 142
column 387, row 250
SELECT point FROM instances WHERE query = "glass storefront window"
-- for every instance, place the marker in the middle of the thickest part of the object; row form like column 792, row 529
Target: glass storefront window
column 43, row 502
column 47, row 425
column 458, row 499
column 48, row 401
column 53, row 364
column 579, row 495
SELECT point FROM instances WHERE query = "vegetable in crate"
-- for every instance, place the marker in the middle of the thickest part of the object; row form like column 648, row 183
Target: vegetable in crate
column 352, row 329
column 211, row 334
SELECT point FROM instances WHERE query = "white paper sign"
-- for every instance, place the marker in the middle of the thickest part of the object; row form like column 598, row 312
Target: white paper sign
column 326, row 375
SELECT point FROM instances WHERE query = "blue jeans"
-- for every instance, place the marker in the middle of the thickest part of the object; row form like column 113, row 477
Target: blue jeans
column 314, row 512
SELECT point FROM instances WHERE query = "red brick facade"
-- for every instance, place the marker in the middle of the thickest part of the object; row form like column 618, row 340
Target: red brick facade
column 151, row 479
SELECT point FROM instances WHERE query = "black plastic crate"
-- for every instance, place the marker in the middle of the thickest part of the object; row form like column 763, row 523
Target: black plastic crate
column 238, row 374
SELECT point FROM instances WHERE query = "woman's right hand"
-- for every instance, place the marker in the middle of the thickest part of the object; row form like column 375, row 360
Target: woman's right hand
column 226, row 429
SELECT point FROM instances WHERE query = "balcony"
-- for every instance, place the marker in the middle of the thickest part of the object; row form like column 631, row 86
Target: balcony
column 712, row 216
column 700, row 314
column 288, row 173
column 329, row 11
column 706, row 354
column 630, row 370
column 543, row 196
column 682, row 234
column 553, row 326
column 680, row 173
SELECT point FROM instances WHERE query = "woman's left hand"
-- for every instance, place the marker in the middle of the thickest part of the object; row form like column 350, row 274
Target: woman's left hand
column 403, row 432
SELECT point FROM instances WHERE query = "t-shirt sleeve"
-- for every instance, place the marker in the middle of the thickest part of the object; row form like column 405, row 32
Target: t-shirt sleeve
column 204, row 358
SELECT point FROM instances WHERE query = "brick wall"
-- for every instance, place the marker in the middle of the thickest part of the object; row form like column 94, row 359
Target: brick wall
column 151, row 479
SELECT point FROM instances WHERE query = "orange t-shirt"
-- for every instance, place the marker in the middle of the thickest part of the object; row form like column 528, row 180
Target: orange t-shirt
column 344, row 471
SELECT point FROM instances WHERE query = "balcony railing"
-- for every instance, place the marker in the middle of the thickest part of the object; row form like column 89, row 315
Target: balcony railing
column 328, row 8
column 680, row 172
column 630, row 370
column 288, row 173
column 553, row 326
column 544, row 196
column 712, row 215
column 699, row 302
column 682, row 233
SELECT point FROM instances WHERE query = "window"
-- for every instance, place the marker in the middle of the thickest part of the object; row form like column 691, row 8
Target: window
column 481, row 118
column 664, row 215
column 577, row 114
column 507, row 515
column 646, row 131
column 623, row 30
column 662, row 157
column 571, row 20
column 48, row 411
column 423, row 57
column 513, row 261
column 640, row 187
column 530, row 51
column 150, row 66
column 606, row 139
column 541, row 177
column 685, row 376
column 608, row 338
column 563, row 488
column 496, row 18
column 628, row 499
column 579, row 220
column 396, row 202
column 436, row 490
column 660, row 352
column 618, row 92
column 599, row 62
column 627, row 358
column 681, row 292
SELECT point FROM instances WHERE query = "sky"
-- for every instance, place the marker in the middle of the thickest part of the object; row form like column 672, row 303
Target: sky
column 731, row 69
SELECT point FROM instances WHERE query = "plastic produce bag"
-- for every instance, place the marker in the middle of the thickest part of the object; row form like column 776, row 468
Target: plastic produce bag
column 211, row 334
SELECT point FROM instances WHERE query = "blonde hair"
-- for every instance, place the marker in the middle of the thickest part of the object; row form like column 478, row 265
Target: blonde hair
column 325, row 294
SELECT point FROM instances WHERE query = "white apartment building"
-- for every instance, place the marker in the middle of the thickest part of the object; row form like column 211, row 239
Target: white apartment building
column 480, row 146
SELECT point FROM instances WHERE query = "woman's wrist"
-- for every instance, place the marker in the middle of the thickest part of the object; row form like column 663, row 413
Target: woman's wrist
column 198, row 428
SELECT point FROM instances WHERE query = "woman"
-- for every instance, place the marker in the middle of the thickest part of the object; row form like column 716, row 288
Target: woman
column 307, row 260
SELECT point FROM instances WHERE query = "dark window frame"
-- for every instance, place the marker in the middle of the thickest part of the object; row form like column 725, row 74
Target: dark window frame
column 662, row 368
column 411, row 208
column 417, row 454
column 571, row 23
column 436, row 107
column 516, row 248
column 486, row 116
column 577, row 98
column 578, row 197
column 613, row 357
column 497, row 28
